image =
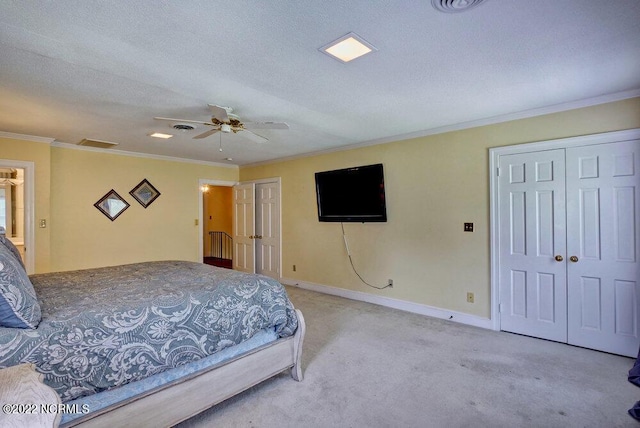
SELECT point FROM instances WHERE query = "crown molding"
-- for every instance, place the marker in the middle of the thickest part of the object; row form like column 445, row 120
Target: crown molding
column 526, row 114
column 23, row 137
column 61, row 145
column 53, row 143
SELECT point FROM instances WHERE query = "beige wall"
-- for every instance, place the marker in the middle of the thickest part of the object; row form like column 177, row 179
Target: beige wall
column 67, row 184
column 40, row 155
column 434, row 184
column 83, row 237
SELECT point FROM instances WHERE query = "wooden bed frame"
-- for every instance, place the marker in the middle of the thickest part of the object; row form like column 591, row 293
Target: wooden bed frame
column 177, row 401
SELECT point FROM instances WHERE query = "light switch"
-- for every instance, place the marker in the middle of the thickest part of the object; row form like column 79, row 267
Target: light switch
column 468, row 227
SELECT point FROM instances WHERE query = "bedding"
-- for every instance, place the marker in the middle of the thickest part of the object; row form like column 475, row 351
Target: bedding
column 19, row 307
column 106, row 327
column 7, row 243
column 98, row 402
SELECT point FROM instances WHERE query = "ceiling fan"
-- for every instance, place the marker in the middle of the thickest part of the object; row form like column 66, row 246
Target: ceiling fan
column 223, row 120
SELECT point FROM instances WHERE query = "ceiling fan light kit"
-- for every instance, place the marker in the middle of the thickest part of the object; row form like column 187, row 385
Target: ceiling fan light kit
column 223, row 120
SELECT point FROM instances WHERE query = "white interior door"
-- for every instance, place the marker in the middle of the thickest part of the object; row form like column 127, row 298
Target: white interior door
column 268, row 229
column 532, row 244
column 244, row 227
column 568, row 243
column 602, row 243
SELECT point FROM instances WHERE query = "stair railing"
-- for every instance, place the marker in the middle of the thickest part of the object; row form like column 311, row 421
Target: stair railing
column 221, row 245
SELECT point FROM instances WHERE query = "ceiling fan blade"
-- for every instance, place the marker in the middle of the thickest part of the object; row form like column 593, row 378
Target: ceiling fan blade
column 266, row 125
column 183, row 120
column 205, row 134
column 253, row 136
column 220, row 113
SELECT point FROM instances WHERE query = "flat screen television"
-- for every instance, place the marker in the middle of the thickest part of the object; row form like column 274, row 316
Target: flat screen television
column 352, row 194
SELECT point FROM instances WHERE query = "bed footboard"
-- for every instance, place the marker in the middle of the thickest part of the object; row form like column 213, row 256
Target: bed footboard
column 298, row 339
column 186, row 397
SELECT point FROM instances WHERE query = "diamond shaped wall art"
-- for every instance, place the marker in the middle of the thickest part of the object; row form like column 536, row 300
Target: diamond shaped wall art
column 144, row 193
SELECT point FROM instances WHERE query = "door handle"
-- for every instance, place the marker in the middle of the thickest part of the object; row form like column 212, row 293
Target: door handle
column 559, row 258
column 258, row 236
column 573, row 259
column 251, row 237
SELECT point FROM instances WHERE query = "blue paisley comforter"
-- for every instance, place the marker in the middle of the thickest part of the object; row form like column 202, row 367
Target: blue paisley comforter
column 102, row 328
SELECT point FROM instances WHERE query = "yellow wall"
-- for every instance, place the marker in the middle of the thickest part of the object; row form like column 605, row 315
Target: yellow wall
column 67, row 184
column 40, row 155
column 83, row 237
column 433, row 185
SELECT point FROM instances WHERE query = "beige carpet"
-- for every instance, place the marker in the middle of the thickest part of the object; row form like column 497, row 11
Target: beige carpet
column 370, row 366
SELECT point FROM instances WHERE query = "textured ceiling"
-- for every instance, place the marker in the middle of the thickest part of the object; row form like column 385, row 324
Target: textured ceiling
column 102, row 70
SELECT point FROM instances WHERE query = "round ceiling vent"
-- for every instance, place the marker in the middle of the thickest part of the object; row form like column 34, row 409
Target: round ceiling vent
column 183, row 127
column 454, row 6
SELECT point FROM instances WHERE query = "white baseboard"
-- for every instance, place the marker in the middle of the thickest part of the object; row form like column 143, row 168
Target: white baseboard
column 402, row 305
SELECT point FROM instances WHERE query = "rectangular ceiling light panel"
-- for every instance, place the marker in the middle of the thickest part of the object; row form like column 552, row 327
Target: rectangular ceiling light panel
column 160, row 135
column 348, row 47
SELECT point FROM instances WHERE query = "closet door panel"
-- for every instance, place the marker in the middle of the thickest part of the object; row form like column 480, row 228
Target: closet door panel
column 532, row 234
column 602, row 244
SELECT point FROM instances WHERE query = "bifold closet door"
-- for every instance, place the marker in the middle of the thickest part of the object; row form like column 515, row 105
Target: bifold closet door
column 532, row 244
column 602, row 246
column 569, row 246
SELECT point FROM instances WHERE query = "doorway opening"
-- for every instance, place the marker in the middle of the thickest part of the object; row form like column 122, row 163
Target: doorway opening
column 254, row 230
column 17, row 207
column 217, row 225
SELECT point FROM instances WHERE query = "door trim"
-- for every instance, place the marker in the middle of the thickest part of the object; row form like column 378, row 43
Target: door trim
column 204, row 182
column 29, row 209
column 494, row 217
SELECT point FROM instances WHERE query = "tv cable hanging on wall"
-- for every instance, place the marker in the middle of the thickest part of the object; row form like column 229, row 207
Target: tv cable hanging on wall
column 346, row 245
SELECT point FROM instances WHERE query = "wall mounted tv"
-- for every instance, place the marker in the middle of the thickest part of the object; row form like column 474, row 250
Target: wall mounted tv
column 351, row 195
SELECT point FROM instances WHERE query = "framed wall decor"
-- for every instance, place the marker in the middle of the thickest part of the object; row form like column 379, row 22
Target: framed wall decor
column 144, row 193
column 111, row 205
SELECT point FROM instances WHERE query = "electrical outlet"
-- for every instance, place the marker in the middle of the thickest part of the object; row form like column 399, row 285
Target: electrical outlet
column 470, row 298
column 390, row 283
column 468, row 227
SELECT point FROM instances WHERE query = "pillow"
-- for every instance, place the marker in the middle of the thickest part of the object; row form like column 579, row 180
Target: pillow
column 19, row 307
column 7, row 243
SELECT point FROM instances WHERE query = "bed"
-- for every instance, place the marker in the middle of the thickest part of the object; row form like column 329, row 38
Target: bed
column 146, row 344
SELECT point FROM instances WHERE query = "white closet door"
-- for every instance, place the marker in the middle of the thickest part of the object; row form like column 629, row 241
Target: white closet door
column 244, row 227
column 268, row 229
column 532, row 233
column 602, row 243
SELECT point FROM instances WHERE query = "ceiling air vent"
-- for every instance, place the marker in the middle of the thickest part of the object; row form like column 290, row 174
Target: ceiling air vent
column 97, row 144
column 454, row 6
column 183, row 127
